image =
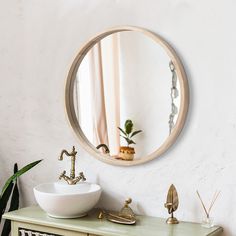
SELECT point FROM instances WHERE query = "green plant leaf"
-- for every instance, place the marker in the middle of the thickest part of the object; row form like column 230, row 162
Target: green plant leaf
column 4, row 198
column 122, row 131
column 127, row 140
column 128, row 126
column 135, row 132
column 6, row 228
column 14, row 205
column 15, row 199
column 19, row 173
column 131, row 142
column 15, row 168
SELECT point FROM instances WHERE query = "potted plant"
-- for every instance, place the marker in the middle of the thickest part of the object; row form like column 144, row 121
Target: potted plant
column 10, row 195
column 127, row 152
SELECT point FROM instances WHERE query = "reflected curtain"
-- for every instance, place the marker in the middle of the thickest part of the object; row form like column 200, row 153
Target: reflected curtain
column 105, row 92
column 99, row 124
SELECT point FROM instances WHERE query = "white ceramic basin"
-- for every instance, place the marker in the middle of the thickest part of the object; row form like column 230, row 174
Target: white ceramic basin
column 61, row 200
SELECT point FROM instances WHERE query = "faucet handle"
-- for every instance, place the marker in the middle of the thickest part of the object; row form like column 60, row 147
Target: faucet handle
column 82, row 176
column 62, row 174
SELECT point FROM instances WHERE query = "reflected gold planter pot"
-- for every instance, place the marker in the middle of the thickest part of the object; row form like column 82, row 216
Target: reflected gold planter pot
column 126, row 153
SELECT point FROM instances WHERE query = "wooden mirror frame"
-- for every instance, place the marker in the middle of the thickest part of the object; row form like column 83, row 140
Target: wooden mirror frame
column 69, row 97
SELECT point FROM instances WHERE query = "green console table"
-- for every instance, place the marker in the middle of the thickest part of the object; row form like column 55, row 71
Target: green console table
column 32, row 221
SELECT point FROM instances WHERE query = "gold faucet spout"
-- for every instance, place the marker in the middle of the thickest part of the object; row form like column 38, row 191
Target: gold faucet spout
column 62, row 153
column 73, row 153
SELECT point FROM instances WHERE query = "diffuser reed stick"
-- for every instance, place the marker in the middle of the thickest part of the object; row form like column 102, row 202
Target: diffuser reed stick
column 215, row 196
column 213, row 201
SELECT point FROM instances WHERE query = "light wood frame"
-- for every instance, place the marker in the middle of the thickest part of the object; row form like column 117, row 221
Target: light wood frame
column 69, row 100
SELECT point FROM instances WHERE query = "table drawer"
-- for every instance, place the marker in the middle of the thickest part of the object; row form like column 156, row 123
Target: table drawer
column 25, row 229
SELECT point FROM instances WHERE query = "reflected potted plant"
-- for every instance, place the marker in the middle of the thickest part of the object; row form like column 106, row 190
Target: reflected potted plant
column 127, row 152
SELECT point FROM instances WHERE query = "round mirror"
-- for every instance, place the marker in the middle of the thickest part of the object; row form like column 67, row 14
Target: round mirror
column 126, row 96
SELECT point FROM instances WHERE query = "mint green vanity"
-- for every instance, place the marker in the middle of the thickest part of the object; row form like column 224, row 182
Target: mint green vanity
column 32, row 221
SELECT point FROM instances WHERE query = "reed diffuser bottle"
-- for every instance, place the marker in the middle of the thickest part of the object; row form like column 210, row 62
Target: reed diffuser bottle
column 207, row 221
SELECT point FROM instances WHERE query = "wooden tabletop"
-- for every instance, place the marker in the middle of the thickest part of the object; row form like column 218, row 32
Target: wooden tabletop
column 146, row 225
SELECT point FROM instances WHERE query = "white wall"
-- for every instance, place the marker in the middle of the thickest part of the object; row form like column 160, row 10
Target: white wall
column 37, row 44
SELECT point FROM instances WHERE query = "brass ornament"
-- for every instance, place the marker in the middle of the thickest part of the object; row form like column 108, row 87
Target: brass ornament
column 126, row 211
column 101, row 214
column 172, row 203
column 125, row 216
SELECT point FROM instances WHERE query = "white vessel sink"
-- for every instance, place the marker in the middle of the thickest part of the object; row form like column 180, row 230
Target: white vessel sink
column 61, row 200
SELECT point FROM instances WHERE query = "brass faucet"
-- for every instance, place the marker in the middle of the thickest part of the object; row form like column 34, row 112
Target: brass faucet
column 72, row 179
column 104, row 146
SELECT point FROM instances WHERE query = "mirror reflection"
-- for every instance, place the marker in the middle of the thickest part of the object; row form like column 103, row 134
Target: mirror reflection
column 126, row 95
